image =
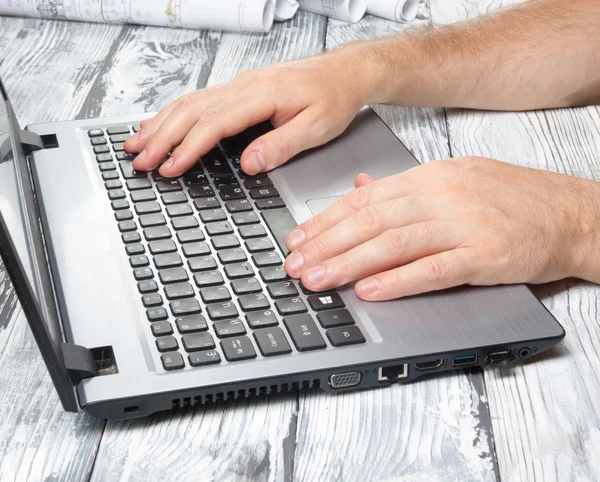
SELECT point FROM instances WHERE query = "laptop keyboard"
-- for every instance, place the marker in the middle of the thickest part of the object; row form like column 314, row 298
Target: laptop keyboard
column 210, row 277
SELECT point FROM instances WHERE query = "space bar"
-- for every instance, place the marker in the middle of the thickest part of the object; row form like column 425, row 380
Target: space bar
column 280, row 223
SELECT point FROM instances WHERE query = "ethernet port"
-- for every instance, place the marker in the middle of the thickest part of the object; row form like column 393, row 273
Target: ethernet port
column 392, row 373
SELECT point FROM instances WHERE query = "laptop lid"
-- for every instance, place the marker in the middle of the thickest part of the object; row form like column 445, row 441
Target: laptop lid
column 22, row 251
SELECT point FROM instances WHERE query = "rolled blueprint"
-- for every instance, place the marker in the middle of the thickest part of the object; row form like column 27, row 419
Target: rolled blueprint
column 398, row 10
column 285, row 9
column 347, row 10
column 246, row 15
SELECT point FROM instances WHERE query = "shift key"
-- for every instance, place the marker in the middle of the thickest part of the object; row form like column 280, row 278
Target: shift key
column 304, row 332
column 281, row 223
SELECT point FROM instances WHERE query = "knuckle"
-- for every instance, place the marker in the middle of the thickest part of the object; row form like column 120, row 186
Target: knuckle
column 434, row 269
column 210, row 117
column 317, row 248
column 394, row 241
column 280, row 149
column 370, row 219
column 357, row 199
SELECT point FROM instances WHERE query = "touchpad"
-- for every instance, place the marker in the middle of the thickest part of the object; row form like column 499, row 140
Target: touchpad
column 318, row 205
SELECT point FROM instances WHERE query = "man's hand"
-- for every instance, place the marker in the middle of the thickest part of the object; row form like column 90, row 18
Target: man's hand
column 448, row 223
column 309, row 103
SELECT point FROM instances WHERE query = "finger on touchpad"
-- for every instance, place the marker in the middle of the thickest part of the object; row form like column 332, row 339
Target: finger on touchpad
column 318, row 205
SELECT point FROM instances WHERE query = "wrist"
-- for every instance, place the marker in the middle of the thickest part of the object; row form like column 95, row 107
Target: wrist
column 586, row 249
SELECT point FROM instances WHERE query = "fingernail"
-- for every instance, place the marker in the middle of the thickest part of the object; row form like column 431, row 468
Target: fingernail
column 169, row 163
column 368, row 286
column 134, row 137
column 258, row 161
column 141, row 156
column 295, row 261
column 295, row 238
column 315, row 274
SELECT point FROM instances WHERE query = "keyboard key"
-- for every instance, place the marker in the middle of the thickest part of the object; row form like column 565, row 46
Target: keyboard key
column 120, row 137
column 143, row 273
column 113, row 184
column 138, row 261
column 273, row 203
column 232, row 255
column 282, row 289
column 290, row 306
column 167, row 260
column 119, row 146
column 276, row 273
column 226, row 241
column 196, row 249
column 191, row 178
column 330, row 301
column 222, row 227
column 215, row 294
column 118, row 130
column 149, row 220
column 280, row 222
column 98, row 141
column 167, row 343
column 157, row 232
column 202, row 263
column 131, row 237
column 104, row 157
column 123, row 215
column 304, row 332
column 272, row 341
column 108, row 175
column 226, row 328
column 212, row 215
column 184, row 222
column 147, row 286
column 107, row 166
column 162, row 246
column 172, row 361
column 257, row 182
column 174, row 197
column 200, row 190
column 264, row 192
column 245, row 218
column 238, row 348
column 179, row 210
column 156, row 314
column 188, row 306
column 208, row 278
column 254, row 302
column 168, row 186
column 331, row 319
column 239, row 270
column 218, row 311
column 125, row 226
column 257, row 245
column 270, row 258
column 95, row 132
column 101, row 149
column 253, row 231
column 197, row 341
column 129, row 172
column 191, row 323
column 161, row 328
column 215, row 162
column 202, row 358
column 306, row 291
column 134, row 248
column 142, row 195
column 246, row 286
column 190, row 235
column 136, row 184
column 229, row 193
column 158, row 178
column 207, row 203
column 153, row 299
column 224, row 181
column 116, row 194
column 125, row 156
column 173, row 275
column 147, row 207
column 348, row 335
column 238, row 206
column 261, row 319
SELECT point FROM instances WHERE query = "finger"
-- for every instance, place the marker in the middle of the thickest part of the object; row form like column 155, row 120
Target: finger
column 148, row 127
column 376, row 192
column 213, row 125
column 363, row 180
column 360, row 227
column 394, row 247
column 279, row 145
column 437, row 272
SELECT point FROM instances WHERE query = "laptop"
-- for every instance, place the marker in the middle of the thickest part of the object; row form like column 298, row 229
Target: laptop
column 146, row 294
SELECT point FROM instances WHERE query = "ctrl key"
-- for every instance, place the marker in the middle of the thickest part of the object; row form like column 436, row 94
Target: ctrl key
column 238, row 348
column 172, row 361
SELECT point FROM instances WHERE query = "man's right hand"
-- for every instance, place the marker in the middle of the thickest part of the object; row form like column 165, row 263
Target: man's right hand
column 309, row 102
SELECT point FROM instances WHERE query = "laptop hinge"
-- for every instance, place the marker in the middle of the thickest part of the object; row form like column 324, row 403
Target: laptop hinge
column 79, row 362
column 30, row 141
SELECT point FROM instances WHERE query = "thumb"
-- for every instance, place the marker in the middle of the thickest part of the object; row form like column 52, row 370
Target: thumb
column 279, row 145
column 363, row 180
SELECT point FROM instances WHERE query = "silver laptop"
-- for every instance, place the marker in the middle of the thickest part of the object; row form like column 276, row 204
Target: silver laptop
column 146, row 294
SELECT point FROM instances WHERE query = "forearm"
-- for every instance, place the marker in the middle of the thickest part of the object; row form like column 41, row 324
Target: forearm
column 541, row 54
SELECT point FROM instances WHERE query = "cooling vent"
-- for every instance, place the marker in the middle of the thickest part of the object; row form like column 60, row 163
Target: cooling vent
column 211, row 397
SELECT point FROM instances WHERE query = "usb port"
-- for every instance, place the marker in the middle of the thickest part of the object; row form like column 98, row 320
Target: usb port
column 500, row 356
column 464, row 360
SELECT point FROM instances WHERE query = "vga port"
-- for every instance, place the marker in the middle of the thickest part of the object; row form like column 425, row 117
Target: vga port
column 343, row 380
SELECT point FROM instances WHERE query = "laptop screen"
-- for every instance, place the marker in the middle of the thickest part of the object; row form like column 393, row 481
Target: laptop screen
column 22, row 249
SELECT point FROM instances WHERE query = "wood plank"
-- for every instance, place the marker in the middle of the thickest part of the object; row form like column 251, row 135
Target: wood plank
column 48, row 68
column 242, row 440
column 435, row 429
column 545, row 413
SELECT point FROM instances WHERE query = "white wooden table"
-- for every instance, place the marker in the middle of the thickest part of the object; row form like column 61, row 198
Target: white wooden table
column 537, row 422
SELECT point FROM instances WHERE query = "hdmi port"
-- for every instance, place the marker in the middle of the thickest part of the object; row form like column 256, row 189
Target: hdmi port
column 430, row 365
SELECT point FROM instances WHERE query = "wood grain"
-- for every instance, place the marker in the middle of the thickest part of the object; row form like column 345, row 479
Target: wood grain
column 436, row 429
column 48, row 69
column 545, row 414
column 244, row 440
